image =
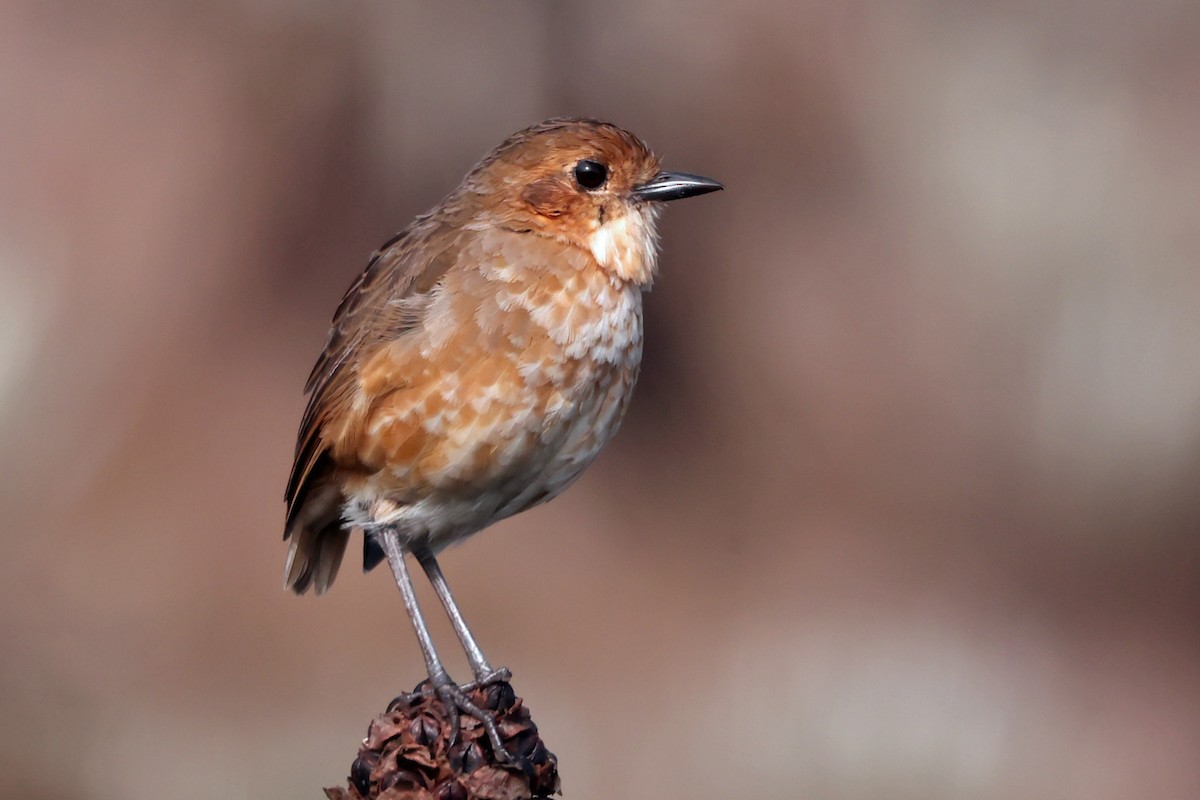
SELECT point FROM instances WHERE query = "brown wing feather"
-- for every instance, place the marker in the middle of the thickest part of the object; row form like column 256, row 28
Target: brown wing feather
column 410, row 263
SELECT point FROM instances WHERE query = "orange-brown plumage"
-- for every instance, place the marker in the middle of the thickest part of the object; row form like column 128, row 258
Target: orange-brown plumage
column 486, row 353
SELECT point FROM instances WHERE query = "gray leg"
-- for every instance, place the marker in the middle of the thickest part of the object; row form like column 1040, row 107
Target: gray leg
column 453, row 698
column 479, row 665
column 390, row 541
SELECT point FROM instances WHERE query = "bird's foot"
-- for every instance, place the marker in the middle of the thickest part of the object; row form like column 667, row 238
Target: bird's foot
column 455, row 699
column 482, row 679
column 424, row 689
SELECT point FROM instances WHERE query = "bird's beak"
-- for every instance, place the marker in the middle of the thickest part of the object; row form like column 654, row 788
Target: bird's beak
column 674, row 186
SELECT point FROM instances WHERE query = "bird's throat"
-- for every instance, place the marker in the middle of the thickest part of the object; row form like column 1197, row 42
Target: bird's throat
column 627, row 246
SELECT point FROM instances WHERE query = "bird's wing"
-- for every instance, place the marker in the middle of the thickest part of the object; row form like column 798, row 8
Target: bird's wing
column 377, row 308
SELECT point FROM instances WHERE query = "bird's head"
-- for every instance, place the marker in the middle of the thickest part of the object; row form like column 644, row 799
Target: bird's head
column 584, row 182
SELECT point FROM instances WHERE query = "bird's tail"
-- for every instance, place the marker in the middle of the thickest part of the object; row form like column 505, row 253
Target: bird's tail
column 318, row 541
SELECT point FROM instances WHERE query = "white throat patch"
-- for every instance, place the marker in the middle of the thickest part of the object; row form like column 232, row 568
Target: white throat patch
column 627, row 245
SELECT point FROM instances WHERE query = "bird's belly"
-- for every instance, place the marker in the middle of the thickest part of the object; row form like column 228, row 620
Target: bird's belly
column 461, row 459
column 498, row 407
column 573, row 443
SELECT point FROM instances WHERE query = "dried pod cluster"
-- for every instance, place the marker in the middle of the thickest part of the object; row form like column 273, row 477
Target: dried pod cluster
column 407, row 754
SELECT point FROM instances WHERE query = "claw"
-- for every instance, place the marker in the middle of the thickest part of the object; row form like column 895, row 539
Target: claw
column 499, row 675
column 446, row 695
column 423, row 690
column 454, row 700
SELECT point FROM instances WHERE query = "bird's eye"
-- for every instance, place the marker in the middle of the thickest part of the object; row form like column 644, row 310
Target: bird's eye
column 591, row 174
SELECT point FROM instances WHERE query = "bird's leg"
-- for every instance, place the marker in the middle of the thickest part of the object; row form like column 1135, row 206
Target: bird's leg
column 484, row 674
column 390, row 541
column 453, row 698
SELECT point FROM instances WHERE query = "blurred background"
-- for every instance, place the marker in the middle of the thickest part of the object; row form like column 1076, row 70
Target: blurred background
column 908, row 501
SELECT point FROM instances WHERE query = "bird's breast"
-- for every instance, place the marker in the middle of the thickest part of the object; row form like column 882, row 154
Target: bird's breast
column 520, row 376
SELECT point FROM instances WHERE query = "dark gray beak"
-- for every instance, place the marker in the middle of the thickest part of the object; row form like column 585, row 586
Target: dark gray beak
column 675, row 186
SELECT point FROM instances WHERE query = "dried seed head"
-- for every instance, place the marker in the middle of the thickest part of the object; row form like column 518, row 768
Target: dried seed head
column 407, row 754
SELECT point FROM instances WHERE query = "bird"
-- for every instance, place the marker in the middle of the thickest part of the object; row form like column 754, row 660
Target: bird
column 478, row 365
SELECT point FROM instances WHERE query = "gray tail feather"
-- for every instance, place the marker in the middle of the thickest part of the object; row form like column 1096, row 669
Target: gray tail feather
column 314, row 558
column 318, row 542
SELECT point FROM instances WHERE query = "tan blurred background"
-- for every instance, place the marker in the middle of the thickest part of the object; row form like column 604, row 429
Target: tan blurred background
column 908, row 503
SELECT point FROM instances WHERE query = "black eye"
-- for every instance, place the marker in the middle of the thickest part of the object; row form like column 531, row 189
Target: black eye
column 591, row 174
